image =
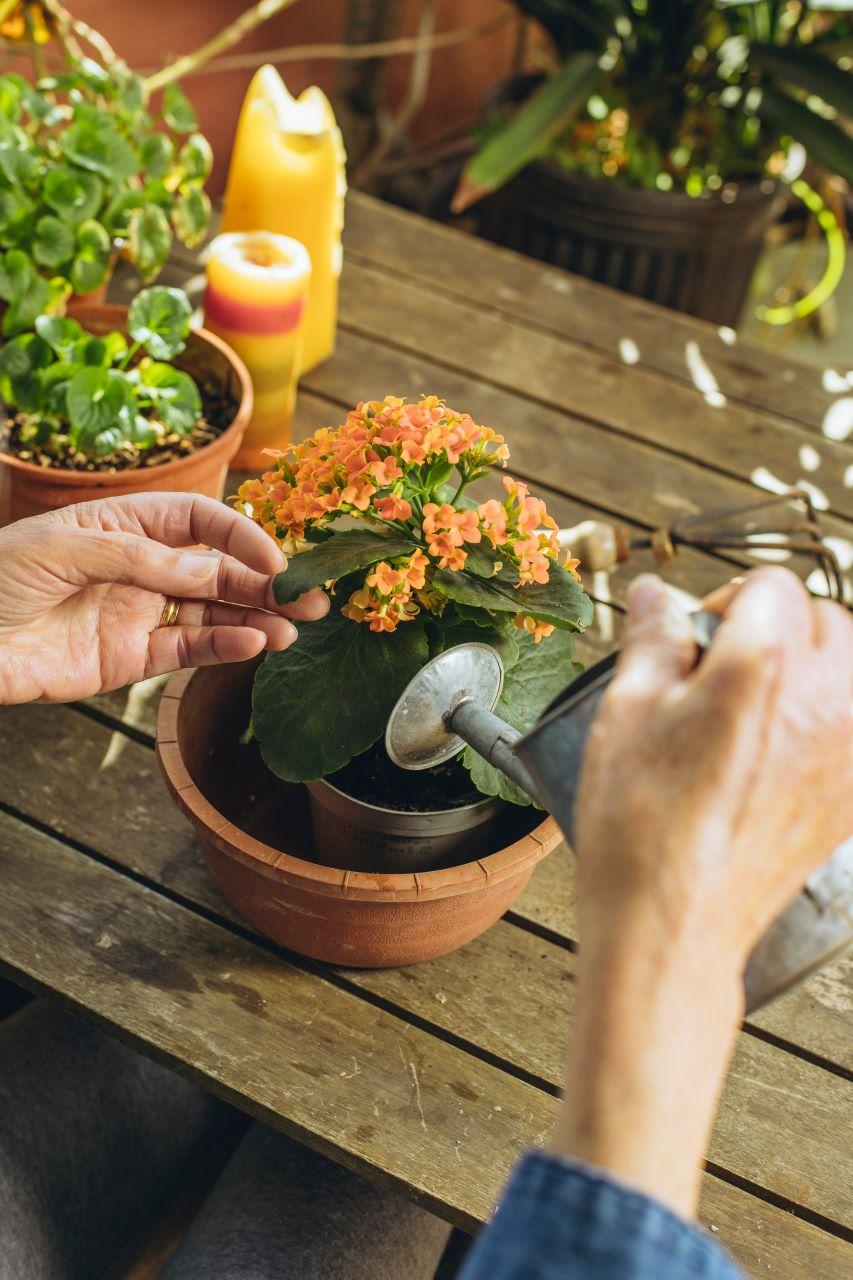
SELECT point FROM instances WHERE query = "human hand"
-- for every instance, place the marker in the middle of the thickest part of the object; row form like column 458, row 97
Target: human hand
column 82, row 593
column 708, row 795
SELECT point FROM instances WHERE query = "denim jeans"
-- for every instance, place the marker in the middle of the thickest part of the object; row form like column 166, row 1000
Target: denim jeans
column 558, row 1220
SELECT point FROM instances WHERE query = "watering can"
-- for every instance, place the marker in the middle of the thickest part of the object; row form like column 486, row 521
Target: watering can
column 451, row 702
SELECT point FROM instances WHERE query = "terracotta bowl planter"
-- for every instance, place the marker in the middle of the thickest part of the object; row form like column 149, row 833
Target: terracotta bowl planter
column 256, row 835
column 28, row 490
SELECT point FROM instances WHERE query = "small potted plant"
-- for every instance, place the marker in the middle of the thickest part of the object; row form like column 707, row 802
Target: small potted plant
column 379, row 511
column 647, row 153
column 88, row 174
column 115, row 401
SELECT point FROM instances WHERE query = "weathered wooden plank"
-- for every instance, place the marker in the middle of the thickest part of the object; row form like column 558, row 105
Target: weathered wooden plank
column 423, row 1117
column 630, row 402
column 445, row 261
column 750, row 1151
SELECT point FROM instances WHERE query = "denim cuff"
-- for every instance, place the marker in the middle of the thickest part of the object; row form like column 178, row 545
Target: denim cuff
column 559, row 1219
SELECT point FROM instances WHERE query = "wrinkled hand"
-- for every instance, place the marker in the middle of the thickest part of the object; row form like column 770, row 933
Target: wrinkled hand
column 82, row 591
column 710, row 794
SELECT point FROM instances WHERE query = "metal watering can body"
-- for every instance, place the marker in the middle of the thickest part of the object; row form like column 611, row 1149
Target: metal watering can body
column 449, row 703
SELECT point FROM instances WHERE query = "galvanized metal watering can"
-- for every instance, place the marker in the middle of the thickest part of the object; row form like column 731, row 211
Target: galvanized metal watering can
column 451, row 702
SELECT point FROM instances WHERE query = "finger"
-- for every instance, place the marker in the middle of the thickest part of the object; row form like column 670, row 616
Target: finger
column 308, row 608
column 658, row 649
column 183, row 520
column 171, row 648
column 834, row 632
column 718, row 600
column 279, row 632
column 768, row 617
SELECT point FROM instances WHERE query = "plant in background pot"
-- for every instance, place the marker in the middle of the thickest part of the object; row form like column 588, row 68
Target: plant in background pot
column 97, row 404
column 652, row 148
column 378, row 510
column 88, row 173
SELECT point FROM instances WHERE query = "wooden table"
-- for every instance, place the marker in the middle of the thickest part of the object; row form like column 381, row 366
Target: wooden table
column 432, row 1079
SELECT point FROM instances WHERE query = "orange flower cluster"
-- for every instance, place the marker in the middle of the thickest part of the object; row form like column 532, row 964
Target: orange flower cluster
column 389, row 464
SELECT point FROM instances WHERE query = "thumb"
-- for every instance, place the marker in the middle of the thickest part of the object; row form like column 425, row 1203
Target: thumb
column 658, row 649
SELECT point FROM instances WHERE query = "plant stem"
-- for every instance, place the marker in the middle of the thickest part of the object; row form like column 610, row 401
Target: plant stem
column 224, row 39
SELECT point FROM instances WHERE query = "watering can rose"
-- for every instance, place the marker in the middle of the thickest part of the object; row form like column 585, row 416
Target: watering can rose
column 418, row 567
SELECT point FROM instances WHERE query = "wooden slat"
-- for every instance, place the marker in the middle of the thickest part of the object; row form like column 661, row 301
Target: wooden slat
column 750, row 1152
column 385, row 1099
column 545, row 298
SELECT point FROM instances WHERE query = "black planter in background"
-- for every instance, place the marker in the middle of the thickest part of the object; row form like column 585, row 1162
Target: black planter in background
column 696, row 254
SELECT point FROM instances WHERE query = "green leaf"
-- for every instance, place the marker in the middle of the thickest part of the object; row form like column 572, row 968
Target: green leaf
column 100, row 149
column 21, row 313
column 116, row 216
column 195, row 158
column 19, row 166
column 527, row 133
column 143, row 433
column 149, row 240
column 542, row 671
column 344, row 552
column 178, row 111
column 74, row 194
column 89, row 271
column 54, row 388
column 191, row 215
column 503, row 638
column 16, row 273
column 159, row 318
column 60, row 333
column 92, row 351
column 804, row 69
column 93, row 237
column 176, row 398
column 53, row 242
column 156, row 152
column 15, row 216
column 328, row 697
column 825, row 142
column 99, row 400
column 562, row 601
column 24, row 354
column 482, row 559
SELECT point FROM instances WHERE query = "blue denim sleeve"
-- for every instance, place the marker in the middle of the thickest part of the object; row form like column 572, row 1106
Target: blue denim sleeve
column 561, row 1220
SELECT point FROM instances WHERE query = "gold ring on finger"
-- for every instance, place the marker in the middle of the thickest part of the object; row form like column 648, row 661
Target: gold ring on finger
column 171, row 609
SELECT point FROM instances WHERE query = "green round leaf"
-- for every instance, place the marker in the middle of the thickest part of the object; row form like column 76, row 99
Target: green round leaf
column 91, row 351
column 74, row 194
column 11, row 98
column 176, row 398
column 15, row 215
column 21, row 313
column 60, row 333
column 143, row 432
column 24, row 354
column 99, row 400
column 89, row 270
column 93, row 237
column 116, row 216
column 159, row 318
column 100, row 149
column 20, row 167
column 156, row 152
column 53, row 241
column 16, row 273
column 178, row 111
column 191, row 215
column 149, row 240
column 196, row 158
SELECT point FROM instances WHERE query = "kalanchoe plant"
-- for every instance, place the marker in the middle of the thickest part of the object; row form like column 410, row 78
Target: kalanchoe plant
column 97, row 394
column 87, row 171
column 425, row 567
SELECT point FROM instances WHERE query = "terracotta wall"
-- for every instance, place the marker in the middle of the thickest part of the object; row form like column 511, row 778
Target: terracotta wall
column 149, row 34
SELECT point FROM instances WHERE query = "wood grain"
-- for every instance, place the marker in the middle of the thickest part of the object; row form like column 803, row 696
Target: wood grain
column 387, row 1100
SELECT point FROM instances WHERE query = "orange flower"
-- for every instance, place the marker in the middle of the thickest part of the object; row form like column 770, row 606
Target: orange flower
column 393, row 508
column 539, row 630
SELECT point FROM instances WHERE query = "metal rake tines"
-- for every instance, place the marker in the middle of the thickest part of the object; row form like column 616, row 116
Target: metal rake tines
column 785, row 522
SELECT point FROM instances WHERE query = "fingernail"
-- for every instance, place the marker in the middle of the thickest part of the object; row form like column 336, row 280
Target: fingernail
column 196, row 565
column 285, row 638
column 646, row 594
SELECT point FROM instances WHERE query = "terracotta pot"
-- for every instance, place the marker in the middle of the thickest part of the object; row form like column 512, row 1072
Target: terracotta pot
column 28, row 490
column 256, row 835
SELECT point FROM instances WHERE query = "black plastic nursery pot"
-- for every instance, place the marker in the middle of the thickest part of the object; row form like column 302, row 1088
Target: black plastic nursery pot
column 695, row 254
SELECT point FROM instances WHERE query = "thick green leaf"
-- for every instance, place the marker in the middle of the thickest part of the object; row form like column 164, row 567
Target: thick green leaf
column 53, row 242
column 561, row 601
column 21, row 167
column 99, row 400
column 89, row 270
column 195, row 158
column 542, row 671
column 176, row 398
column 100, row 149
column 328, row 697
column 528, row 131
column 21, row 313
column 16, row 273
column 159, row 318
column 341, row 554
column 503, row 638
column 156, row 152
column 60, row 333
column 804, row 69
column 825, row 142
column 16, row 213
column 178, row 111
column 149, row 240
column 74, row 194
column 116, row 216
column 191, row 214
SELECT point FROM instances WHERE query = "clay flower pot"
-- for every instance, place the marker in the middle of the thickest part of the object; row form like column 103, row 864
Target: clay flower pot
column 28, row 490
column 256, row 834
